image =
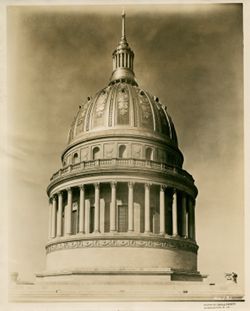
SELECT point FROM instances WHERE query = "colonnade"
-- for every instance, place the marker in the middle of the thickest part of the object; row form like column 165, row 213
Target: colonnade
column 122, row 60
column 181, row 211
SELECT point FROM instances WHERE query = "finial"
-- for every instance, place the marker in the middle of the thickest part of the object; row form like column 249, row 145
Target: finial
column 123, row 59
column 123, row 24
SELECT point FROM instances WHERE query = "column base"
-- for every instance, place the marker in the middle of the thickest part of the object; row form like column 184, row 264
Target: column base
column 80, row 233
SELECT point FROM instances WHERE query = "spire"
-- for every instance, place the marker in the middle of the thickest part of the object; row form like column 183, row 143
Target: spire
column 123, row 59
column 123, row 25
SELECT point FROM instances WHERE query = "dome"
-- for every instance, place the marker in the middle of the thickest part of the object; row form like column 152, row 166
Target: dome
column 123, row 106
column 121, row 194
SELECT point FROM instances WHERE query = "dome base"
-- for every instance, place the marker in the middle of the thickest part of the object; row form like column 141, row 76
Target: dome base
column 129, row 288
column 121, row 252
column 122, row 277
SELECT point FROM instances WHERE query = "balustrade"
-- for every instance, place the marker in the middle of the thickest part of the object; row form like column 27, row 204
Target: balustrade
column 119, row 162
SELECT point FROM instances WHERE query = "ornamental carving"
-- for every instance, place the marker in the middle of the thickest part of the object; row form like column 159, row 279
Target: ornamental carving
column 84, row 154
column 108, row 150
column 100, row 105
column 138, row 243
column 136, row 151
column 146, row 117
column 122, row 106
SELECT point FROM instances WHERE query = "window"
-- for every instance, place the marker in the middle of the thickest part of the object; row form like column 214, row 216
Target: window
column 75, row 158
column 96, row 153
column 122, row 218
column 122, row 151
column 149, row 154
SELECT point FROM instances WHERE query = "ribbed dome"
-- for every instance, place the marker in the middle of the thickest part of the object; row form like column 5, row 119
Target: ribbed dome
column 123, row 106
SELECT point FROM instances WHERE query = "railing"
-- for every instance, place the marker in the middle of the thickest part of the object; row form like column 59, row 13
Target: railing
column 121, row 163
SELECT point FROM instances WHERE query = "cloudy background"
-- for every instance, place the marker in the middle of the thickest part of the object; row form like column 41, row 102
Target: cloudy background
column 190, row 56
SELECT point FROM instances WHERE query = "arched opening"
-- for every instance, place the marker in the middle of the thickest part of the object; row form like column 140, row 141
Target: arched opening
column 75, row 158
column 149, row 154
column 96, row 153
column 122, row 151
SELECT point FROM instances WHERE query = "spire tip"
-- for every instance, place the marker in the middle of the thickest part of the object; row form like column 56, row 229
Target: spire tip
column 123, row 24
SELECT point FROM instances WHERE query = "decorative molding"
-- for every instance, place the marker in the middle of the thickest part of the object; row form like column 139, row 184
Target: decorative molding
column 162, row 243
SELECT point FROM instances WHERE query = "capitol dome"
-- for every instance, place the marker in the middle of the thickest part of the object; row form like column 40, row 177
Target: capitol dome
column 121, row 204
column 123, row 106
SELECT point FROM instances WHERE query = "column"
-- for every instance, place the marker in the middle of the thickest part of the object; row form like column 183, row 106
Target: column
column 147, row 208
column 53, row 218
column 113, row 208
column 50, row 219
column 102, row 215
column 122, row 59
column 191, row 219
column 130, row 206
column 97, row 208
column 162, row 210
column 184, row 215
column 69, row 213
column 87, row 217
column 193, row 211
column 59, row 215
column 174, row 213
column 82, row 209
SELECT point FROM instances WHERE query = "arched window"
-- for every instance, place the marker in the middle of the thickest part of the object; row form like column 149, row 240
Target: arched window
column 96, row 153
column 122, row 151
column 149, row 154
column 75, row 158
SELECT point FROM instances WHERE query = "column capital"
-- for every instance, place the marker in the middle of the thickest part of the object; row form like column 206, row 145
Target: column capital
column 147, row 185
column 82, row 187
column 59, row 193
column 97, row 185
column 163, row 187
column 53, row 198
column 131, row 184
column 69, row 189
column 113, row 183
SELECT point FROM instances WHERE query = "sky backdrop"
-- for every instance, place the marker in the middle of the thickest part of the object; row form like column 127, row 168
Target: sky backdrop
column 190, row 56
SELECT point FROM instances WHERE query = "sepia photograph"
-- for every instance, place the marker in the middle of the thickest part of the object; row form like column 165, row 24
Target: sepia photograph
column 124, row 150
